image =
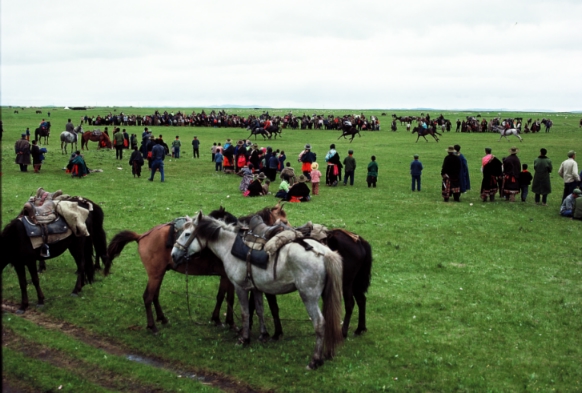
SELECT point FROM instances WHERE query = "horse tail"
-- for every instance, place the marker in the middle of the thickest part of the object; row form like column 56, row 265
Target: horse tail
column 118, row 242
column 364, row 276
column 332, row 299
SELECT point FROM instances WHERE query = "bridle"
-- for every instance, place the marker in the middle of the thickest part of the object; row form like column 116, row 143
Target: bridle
column 184, row 247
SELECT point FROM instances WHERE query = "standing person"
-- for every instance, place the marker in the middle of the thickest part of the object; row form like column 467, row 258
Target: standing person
column 125, row 139
column 272, row 165
column 524, row 181
column 315, row 178
column 218, row 159
column 22, row 150
column 158, row 155
column 118, row 142
column 542, row 185
column 213, row 151
column 282, row 158
column 136, row 162
column 372, row 172
column 195, row 147
column 511, row 170
column 416, row 171
column 176, row 144
column 349, row 168
column 133, row 141
column 464, row 175
column 36, row 157
column 307, row 157
column 492, row 170
column 569, row 172
column 334, row 166
column 451, row 172
column 27, row 134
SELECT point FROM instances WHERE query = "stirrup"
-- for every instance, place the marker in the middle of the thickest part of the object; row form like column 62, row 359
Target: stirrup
column 44, row 251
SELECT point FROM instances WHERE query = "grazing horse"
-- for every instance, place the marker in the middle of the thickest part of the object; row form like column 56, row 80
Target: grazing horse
column 352, row 131
column 16, row 112
column 103, row 140
column 154, row 248
column 425, row 131
column 503, row 133
column 38, row 112
column 70, row 138
column 43, row 132
column 17, row 250
column 315, row 273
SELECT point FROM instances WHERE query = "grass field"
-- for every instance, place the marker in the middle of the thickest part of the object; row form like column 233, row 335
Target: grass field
column 466, row 296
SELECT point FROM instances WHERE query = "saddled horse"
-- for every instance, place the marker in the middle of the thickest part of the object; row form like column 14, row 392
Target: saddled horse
column 274, row 130
column 352, row 131
column 43, row 132
column 503, row 133
column 70, row 138
column 315, row 273
column 548, row 123
column 102, row 139
column 18, row 250
column 154, row 248
column 422, row 132
column 259, row 131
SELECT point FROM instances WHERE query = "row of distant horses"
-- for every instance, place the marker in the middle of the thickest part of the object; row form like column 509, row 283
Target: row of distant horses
column 339, row 263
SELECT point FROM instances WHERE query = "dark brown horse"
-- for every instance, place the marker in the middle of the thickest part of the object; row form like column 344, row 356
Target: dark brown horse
column 17, row 250
column 43, row 132
column 425, row 131
column 154, row 248
column 103, row 140
column 352, row 131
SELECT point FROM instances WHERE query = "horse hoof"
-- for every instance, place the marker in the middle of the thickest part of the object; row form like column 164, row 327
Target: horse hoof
column 360, row 331
column 264, row 337
column 276, row 337
column 153, row 330
column 74, row 294
column 39, row 305
column 20, row 311
column 243, row 341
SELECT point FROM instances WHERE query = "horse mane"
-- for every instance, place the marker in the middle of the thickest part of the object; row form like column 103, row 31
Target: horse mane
column 223, row 215
column 209, row 228
column 264, row 213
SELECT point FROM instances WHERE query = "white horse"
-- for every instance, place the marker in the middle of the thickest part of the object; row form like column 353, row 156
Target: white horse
column 505, row 133
column 70, row 137
column 315, row 273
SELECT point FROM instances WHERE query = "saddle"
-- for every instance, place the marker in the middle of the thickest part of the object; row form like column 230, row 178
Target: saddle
column 41, row 208
column 96, row 133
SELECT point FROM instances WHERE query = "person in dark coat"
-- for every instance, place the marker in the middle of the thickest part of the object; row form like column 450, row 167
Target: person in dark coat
column 450, row 173
column 256, row 187
column 300, row 190
column 36, row 156
column 22, row 150
column 136, row 162
column 492, row 174
column 542, row 185
column 511, row 170
column 525, row 179
column 334, row 167
column 464, row 176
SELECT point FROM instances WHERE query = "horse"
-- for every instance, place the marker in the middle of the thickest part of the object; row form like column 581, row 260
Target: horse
column 38, row 112
column 259, row 131
column 315, row 273
column 16, row 112
column 425, row 131
column 548, row 123
column 70, row 138
column 154, row 248
column 103, row 140
column 43, row 132
column 18, row 251
column 504, row 133
column 274, row 130
column 352, row 131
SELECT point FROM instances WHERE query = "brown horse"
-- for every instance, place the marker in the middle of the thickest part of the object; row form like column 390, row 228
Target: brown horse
column 103, row 140
column 154, row 248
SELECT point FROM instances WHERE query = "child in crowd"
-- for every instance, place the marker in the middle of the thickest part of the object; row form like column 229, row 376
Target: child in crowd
column 282, row 158
column 213, row 151
column 266, row 187
column 218, row 158
column 372, row 173
column 525, row 179
column 416, row 171
column 283, row 187
column 315, row 177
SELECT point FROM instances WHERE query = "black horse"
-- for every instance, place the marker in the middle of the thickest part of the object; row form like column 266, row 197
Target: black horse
column 428, row 131
column 274, row 130
column 43, row 132
column 17, row 250
column 259, row 131
column 548, row 123
column 352, row 131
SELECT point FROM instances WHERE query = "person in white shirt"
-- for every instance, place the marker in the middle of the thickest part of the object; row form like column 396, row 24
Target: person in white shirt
column 569, row 172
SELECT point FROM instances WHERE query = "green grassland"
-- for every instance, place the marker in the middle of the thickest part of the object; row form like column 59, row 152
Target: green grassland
column 466, row 296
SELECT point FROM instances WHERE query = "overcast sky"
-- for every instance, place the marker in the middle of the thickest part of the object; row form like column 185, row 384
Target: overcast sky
column 454, row 54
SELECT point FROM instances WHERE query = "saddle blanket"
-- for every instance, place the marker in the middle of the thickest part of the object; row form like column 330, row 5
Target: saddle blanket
column 240, row 250
column 57, row 231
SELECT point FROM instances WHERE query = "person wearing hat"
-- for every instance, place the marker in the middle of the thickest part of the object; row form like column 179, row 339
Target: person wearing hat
column 372, row 177
column 416, row 171
column 255, row 157
column 569, row 203
column 195, row 147
column 307, row 157
column 315, row 177
column 569, row 172
column 290, row 172
column 511, row 171
column 299, row 191
column 349, row 168
column 256, row 187
column 542, row 184
column 36, row 156
column 118, row 143
column 157, row 159
column 334, row 166
column 492, row 170
column 451, row 172
column 22, row 150
column 464, row 176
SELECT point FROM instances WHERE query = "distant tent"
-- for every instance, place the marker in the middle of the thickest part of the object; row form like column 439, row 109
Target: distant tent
column 66, row 107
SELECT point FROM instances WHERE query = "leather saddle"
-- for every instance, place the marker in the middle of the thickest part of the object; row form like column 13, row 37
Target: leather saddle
column 96, row 133
column 56, row 227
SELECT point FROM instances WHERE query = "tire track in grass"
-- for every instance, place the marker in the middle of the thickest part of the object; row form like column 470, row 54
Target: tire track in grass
column 118, row 349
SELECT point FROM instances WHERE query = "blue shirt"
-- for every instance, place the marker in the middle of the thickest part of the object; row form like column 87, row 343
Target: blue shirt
column 416, row 168
column 158, row 153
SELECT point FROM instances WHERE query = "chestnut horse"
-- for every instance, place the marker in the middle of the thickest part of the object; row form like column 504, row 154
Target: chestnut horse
column 154, row 248
column 103, row 140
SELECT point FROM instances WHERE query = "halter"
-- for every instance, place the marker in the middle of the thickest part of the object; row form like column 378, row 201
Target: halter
column 184, row 247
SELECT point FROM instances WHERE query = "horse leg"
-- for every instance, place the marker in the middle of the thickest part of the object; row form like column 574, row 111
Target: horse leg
column 243, row 299
column 78, row 255
column 425, row 138
column 41, row 266
column 222, row 289
column 229, row 304
column 264, row 335
column 36, row 282
column 159, row 313
column 349, row 306
column 312, row 306
column 361, row 300
column 417, row 138
column 274, row 307
column 22, row 282
column 152, row 288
